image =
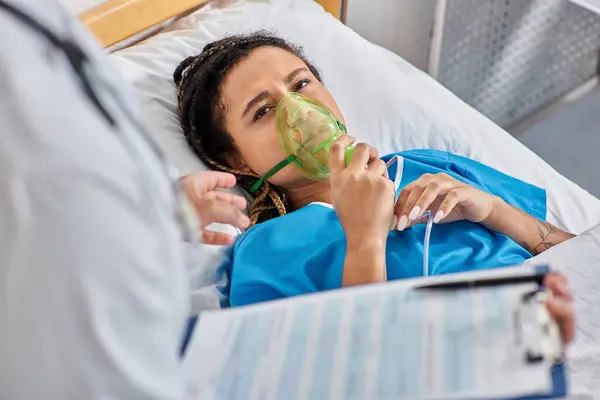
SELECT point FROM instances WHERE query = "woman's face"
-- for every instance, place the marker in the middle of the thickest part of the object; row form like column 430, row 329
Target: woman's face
column 251, row 92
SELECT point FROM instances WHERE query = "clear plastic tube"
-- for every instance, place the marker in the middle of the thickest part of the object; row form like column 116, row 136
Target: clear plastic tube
column 429, row 216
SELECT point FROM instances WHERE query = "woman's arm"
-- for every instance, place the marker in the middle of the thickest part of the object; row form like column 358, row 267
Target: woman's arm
column 534, row 235
column 364, row 264
column 363, row 198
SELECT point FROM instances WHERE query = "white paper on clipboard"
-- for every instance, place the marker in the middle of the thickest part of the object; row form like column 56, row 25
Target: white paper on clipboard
column 377, row 342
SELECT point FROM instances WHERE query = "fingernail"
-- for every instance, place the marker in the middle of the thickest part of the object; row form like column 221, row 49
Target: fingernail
column 402, row 223
column 245, row 221
column 414, row 213
column 394, row 222
column 438, row 217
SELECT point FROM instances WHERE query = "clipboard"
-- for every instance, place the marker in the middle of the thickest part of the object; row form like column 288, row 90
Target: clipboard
column 535, row 351
column 227, row 354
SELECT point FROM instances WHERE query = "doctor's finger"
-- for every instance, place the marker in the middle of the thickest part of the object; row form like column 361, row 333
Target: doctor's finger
column 225, row 197
column 217, row 238
column 564, row 314
column 209, row 180
column 217, row 211
column 337, row 154
column 557, row 284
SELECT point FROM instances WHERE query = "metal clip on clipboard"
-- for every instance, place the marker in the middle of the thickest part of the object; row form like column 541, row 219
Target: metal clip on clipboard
column 536, row 333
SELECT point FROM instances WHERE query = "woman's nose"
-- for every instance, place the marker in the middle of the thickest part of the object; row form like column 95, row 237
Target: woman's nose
column 304, row 113
column 278, row 95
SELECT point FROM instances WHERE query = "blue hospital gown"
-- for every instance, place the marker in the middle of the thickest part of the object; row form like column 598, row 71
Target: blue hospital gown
column 303, row 252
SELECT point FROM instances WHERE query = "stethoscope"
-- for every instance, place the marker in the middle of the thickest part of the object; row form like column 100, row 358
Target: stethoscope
column 81, row 65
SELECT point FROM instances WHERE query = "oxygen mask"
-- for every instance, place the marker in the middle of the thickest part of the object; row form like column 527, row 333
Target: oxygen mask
column 306, row 130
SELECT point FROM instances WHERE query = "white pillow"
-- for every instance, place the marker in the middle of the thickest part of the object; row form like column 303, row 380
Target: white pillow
column 337, row 51
column 385, row 100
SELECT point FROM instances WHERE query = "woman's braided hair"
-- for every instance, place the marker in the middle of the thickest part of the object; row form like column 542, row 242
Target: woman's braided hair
column 202, row 112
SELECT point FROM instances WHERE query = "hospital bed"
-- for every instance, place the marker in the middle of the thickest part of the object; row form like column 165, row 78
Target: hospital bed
column 385, row 100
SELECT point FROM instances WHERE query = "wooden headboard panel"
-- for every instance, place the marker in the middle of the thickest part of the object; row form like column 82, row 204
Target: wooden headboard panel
column 116, row 20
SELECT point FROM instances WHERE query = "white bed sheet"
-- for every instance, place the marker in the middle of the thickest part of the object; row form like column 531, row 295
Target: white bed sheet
column 579, row 260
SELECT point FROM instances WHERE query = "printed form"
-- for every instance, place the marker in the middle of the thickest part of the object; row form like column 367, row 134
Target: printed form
column 376, row 342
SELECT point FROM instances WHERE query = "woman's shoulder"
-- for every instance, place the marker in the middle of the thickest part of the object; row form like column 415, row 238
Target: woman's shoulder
column 273, row 257
column 291, row 230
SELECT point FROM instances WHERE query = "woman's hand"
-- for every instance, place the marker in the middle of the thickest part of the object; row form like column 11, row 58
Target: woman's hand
column 448, row 199
column 560, row 305
column 363, row 198
column 452, row 200
column 214, row 205
column 362, row 194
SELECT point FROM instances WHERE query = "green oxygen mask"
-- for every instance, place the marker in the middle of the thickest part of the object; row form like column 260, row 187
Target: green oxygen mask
column 306, row 130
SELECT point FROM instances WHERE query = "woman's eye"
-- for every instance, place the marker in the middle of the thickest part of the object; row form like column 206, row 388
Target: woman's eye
column 301, row 85
column 262, row 112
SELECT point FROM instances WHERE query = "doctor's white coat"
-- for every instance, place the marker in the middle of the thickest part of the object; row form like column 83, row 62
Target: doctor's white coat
column 93, row 288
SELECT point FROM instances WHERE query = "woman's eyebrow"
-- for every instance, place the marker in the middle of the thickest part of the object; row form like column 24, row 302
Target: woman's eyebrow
column 260, row 97
column 265, row 95
column 288, row 79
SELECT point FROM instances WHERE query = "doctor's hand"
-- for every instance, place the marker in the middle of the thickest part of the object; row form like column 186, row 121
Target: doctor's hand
column 213, row 205
column 362, row 194
column 560, row 305
column 448, row 199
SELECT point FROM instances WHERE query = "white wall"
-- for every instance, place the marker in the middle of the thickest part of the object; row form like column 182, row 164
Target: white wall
column 402, row 26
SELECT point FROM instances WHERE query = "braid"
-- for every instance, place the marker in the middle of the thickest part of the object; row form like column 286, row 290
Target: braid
column 202, row 113
column 258, row 205
column 259, row 210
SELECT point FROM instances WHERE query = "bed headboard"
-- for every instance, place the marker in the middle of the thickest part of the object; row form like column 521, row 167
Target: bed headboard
column 116, row 20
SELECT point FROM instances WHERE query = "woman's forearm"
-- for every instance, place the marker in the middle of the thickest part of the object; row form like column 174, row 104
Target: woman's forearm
column 364, row 264
column 531, row 233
